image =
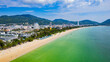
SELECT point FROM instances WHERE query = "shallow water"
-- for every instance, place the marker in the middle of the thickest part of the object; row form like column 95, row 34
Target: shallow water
column 84, row 45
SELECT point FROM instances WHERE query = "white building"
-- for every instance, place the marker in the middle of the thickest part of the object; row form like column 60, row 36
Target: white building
column 8, row 37
column 36, row 26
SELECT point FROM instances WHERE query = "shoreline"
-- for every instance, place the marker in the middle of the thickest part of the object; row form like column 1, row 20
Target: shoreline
column 19, row 50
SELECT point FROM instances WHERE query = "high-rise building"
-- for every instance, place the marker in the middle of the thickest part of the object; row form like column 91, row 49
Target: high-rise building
column 51, row 24
column 78, row 23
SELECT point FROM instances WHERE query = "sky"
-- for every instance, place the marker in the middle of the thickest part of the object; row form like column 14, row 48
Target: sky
column 72, row 10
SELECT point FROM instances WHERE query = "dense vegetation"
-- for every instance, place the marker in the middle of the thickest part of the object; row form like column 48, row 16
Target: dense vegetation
column 107, row 22
column 20, row 19
column 85, row 22
column 23, row 19
column 38, row 34
column 62, row 21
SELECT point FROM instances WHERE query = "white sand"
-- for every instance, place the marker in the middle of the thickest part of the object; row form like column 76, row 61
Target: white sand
column 19, row 50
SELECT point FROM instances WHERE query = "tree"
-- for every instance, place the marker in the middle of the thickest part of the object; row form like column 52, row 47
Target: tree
column 9, row 45
column 1, row 44
column 17, row 41
column 4, row 47
column 0, row 47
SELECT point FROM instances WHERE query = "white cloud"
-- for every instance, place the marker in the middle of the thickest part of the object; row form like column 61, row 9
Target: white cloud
column 86, row 7
column 43, row 2
column 29, row 11
column 26, row 3
column 66, row 8
column 94, row 10
column 69, row 1
column 11, row 3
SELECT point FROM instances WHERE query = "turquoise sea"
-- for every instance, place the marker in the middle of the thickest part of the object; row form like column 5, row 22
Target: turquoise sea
column 90, row 44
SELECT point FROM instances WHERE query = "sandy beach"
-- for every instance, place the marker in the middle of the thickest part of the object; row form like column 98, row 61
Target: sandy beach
column 19, row 50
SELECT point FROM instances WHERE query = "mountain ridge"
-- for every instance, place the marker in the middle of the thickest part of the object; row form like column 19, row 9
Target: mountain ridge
column 106, row 22
column 24, row 18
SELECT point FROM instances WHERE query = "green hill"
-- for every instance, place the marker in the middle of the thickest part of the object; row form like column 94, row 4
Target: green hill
column 107, row 22
column 88, row 22
column 23, row 19
column 20, row 19
column 62, row 21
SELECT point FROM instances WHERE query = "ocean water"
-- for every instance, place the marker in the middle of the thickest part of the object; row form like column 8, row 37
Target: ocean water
column 84, row 45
